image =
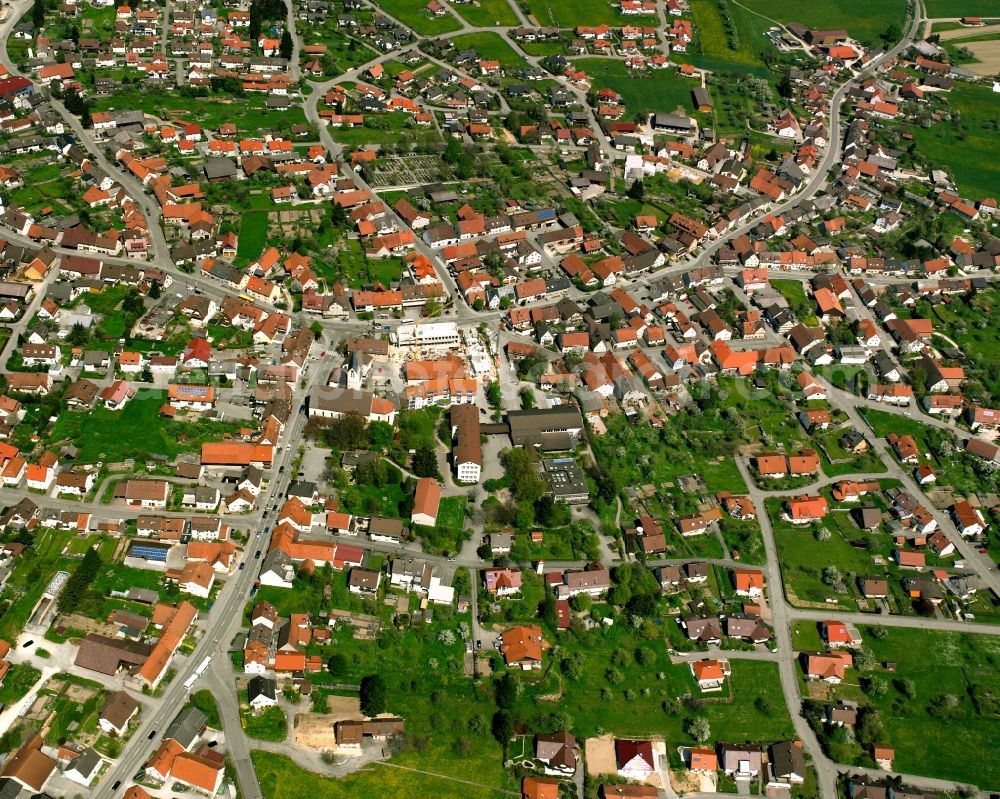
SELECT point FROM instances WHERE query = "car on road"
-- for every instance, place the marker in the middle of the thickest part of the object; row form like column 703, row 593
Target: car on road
column 242, row 566
column 479, row 644
column 257, row 554
column 151, row 735
column 116, row 785
column 26, row 644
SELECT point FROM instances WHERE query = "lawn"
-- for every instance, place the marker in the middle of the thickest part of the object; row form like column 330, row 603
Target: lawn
column 636, row 455
column 447, row 714
column 975, row 326
column 417, row 17
column 969, row 149
column 32, row 573
column 803, row 557
column 447, row 535
column 865, row 20
column 20, row 677
column 282, row 778
column 270, row 724
column 561, row 14
column 662, row 90
column 616, row 687
column 491, row 46
column 249, row 114
column 960, row 8
column 137, row 431
column 253, row 235
column 942, row 663
column 485, row 13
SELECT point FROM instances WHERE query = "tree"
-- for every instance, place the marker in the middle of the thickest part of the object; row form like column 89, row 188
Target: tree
column 373, row 699
column 637, row 190
column 493, row 395
column 78, row 585
column 906, row 687
column 698, row 728
column 337, row 664
column 545, row 510
column 892, row 34
column 525, row 482
column 453, row 152
column 78, row 335
column 133, row 304
column 785, row 86
column 424, row 462
column 380, row 435
column 287, row 46
column 38, row 14
column 317, row 330
column 505, row 691
column 502, row 726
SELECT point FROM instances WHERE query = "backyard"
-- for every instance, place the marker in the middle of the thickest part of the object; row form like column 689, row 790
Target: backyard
column 137, row 431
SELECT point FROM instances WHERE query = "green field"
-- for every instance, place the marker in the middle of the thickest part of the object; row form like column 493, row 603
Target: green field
column 942, row 663
column 247, row 113
column 596, row 701
column 268, row 725
column 803, row 557
column 137, row 431
column 865, row 20
column 969, row 149
column 711, row 38
column 561, row 14
column 414, row 15
column 485, row 13
column 663, row 90
column 960, row 8
column 281, row 778
column 491, row 46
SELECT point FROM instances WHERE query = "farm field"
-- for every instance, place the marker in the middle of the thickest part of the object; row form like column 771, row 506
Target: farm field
column 959, row 8
column 971, row 150
column 866, row 20
column 713, row 43
column 561, row 14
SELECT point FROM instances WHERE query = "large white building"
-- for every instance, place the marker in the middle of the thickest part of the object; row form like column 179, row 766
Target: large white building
column 429, row 334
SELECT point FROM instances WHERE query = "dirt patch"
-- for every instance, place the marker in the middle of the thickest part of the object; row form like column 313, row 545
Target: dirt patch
column 78, row 693
column 599, row 755
column 314, row 731
column 343, row 708
column 684, row 781
column 818, row 690
column 74, row 621
column 966, row 32
column 987, row 55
